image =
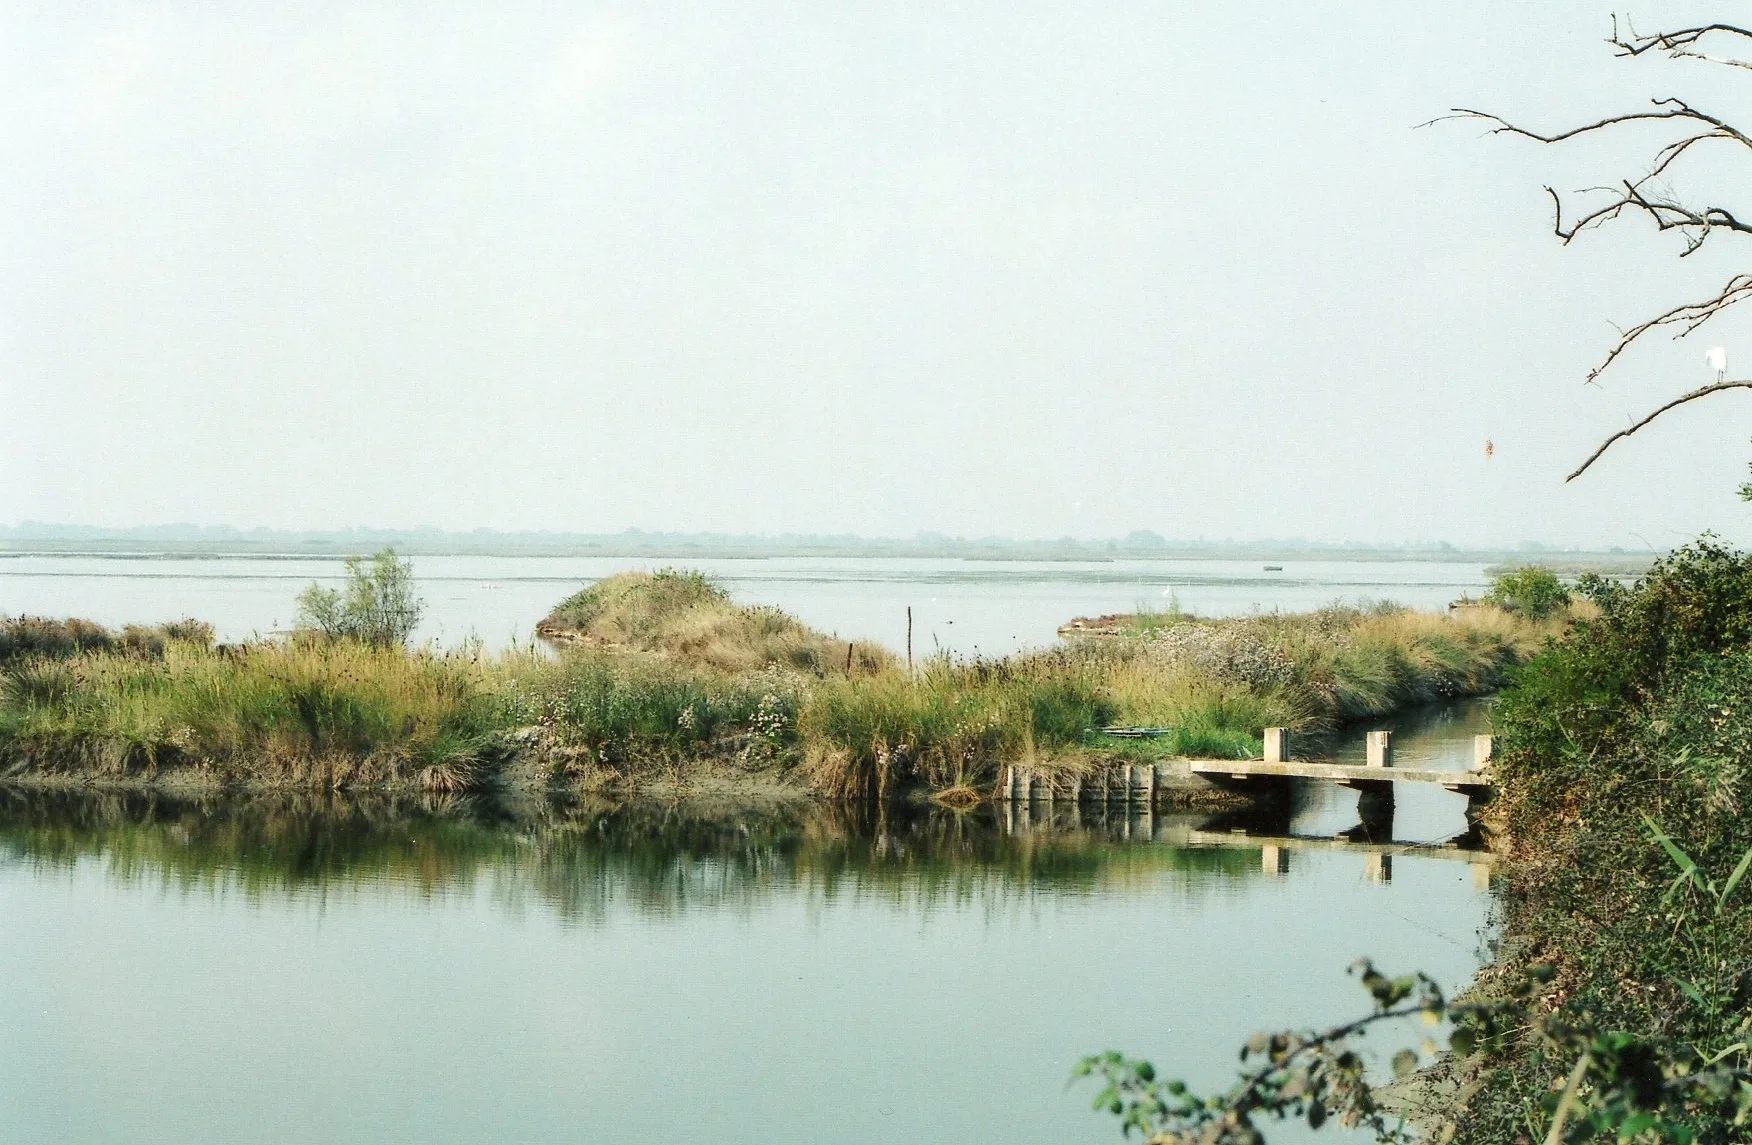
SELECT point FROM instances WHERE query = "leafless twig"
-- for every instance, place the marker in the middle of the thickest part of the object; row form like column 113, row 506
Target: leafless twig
column 1699, row 392
column 1694, row 223
column 1686, row 318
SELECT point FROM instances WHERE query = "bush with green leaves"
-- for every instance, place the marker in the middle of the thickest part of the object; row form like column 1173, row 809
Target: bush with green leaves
column 1531, row 590
column 377, row 605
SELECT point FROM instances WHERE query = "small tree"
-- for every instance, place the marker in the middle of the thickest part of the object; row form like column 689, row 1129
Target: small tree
column 1530, row 590
column 377, row 605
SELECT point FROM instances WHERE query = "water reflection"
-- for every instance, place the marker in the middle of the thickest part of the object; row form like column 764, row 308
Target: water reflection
column 579, row 858
column 327, row 968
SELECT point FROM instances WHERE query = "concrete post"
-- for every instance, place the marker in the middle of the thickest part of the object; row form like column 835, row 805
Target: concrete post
column 1380, row 749
column 1277, row 745
column 1378, row 868
column 1274, row 860
column 1483, row 751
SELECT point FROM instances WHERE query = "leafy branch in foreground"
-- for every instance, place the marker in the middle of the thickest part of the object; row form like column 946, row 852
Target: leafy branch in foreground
column 1319, row 1076
column 1606, row 1084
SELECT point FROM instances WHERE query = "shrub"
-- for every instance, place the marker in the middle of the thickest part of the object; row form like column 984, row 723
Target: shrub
column 1530, row 590
column 377, row 606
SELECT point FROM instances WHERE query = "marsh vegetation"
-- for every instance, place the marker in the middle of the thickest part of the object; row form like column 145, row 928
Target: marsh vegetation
column 662, row 678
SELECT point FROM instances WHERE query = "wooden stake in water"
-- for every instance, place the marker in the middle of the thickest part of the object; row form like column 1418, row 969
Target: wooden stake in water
column 909, row 638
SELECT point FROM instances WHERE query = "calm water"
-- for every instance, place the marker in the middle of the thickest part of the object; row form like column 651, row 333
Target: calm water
column 967, row 606
column 355, row 971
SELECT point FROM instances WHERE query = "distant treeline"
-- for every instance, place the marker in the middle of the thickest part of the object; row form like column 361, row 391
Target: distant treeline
column 205, row 540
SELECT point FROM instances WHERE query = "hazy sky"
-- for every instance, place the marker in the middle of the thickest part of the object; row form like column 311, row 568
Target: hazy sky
column 1021, row 268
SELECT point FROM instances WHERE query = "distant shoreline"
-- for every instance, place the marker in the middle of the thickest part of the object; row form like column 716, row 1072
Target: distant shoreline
column 268, row 545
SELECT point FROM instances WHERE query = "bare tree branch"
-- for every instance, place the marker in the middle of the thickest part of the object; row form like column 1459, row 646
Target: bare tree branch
column 1668, row 108
column 1677, row 43
column 1687, row 318
column 1695, row 224
column 1700, row 392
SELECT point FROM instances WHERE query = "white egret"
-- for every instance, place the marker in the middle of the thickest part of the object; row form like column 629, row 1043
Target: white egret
column 1717, row 357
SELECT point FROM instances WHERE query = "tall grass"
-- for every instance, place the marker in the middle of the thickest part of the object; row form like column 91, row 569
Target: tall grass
column 612, row 711
column 665, row 672
column 310, row 712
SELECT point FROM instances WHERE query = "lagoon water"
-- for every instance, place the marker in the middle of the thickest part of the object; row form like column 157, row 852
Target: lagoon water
column 362, row 972
column 961, row 605
column 367, row 972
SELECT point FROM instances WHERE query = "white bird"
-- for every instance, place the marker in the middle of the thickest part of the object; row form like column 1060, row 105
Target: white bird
column 1717, row 357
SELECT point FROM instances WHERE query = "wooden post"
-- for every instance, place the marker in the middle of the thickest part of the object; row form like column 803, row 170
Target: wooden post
column 909, row 638
column 848, row 657
column 1483, row 752
column 1277, row 745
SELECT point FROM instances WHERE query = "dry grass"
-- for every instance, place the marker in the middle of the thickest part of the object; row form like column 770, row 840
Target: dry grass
column 663, row 671
column 683, row 614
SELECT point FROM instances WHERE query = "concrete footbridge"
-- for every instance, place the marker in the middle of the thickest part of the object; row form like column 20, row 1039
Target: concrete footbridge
column 1146, row 782
column 1029, row 795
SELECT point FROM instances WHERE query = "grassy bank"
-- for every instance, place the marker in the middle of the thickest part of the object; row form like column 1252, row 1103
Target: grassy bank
column 663, row 677
column 1640, row 722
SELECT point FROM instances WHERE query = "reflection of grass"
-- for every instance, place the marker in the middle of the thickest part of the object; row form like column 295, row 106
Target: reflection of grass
column 582, row 858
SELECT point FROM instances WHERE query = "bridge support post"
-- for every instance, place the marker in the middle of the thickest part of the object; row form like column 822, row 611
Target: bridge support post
column 1375, row 797
column 1277, row 745
column 1378, row 868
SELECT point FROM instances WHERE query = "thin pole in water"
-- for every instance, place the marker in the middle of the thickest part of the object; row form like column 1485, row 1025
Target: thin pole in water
column 909, row 638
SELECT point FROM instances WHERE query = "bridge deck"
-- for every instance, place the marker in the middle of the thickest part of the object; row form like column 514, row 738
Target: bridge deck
column 1341, row 772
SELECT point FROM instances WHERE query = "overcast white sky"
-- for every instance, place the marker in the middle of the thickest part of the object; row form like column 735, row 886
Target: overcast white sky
column 1020, row 268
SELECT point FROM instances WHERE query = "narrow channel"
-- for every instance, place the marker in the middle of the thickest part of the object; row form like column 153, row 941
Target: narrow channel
column 335, row 970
